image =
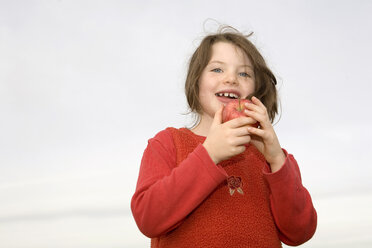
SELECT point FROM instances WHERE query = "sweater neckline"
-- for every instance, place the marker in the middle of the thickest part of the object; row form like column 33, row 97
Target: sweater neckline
column 193, row 134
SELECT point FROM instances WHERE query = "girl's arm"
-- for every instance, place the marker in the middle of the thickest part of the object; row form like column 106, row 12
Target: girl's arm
column 291, row 203
column 167, row 193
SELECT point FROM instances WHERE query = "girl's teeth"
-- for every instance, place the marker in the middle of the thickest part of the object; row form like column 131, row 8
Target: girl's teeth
column 231, row 95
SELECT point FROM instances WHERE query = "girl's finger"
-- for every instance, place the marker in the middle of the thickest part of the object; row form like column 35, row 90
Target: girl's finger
column 241, row 131
column 262, row 118
column 253, row 107
column 256, row 131
column 257, row 101
column 242, row 140
column 259, row 104
column 218, row 116
column 255, row 115
column 240, row 122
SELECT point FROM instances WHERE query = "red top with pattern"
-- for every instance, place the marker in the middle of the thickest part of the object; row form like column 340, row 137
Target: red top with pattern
column 183, row 199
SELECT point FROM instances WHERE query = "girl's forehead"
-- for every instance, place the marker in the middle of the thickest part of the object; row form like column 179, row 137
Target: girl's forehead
column 226, row 51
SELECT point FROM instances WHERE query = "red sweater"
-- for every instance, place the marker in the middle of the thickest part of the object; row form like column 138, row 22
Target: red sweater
column 183, row 199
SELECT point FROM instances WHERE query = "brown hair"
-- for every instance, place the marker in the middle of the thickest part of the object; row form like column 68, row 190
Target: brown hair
column 265, row 80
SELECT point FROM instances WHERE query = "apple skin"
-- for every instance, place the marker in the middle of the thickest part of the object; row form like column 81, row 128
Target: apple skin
column 235, row 109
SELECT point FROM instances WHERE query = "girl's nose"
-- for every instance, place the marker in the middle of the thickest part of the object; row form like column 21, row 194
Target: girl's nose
column 231, row 79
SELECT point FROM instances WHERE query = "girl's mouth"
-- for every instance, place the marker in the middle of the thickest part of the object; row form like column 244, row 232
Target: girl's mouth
column 228, row 95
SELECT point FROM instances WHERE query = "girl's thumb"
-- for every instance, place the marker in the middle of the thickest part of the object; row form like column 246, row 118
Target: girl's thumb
column 218, row 115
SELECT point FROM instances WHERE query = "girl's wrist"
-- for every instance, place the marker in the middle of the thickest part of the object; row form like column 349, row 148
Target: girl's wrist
column 277, row 162
column 210, row 153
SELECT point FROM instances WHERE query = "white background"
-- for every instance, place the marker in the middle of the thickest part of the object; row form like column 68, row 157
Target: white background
column 85, row 84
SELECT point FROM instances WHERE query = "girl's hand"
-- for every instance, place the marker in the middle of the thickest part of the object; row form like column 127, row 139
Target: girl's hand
column 264, row 138
column 225, row 140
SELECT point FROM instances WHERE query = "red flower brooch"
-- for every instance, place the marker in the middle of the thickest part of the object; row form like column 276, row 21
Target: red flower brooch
column 235, row 183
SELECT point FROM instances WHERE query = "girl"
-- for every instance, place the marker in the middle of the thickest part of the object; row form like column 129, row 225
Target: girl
column 223, row 184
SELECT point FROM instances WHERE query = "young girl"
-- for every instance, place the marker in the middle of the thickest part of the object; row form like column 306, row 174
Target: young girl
column 223, row 184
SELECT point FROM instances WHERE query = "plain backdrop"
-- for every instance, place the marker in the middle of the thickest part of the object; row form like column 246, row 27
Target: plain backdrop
column 85, row 84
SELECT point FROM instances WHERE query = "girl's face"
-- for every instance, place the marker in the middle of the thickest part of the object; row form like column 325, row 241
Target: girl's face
column 229, row 74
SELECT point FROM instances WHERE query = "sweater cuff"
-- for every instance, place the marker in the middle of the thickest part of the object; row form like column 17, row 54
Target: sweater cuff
column 215, row 171
column 281, row 174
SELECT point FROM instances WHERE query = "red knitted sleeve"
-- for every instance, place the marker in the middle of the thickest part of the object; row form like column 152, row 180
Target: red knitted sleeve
column 167, row 193
column 291, row 203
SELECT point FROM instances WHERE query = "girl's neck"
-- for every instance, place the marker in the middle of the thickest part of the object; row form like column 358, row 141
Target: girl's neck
column 203, row 126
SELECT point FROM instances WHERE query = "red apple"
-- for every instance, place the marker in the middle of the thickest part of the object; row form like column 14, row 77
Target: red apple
column 235, row 109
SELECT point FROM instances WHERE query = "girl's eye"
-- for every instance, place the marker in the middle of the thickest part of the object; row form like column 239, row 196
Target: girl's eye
column 217, row 70
column 244, row 74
